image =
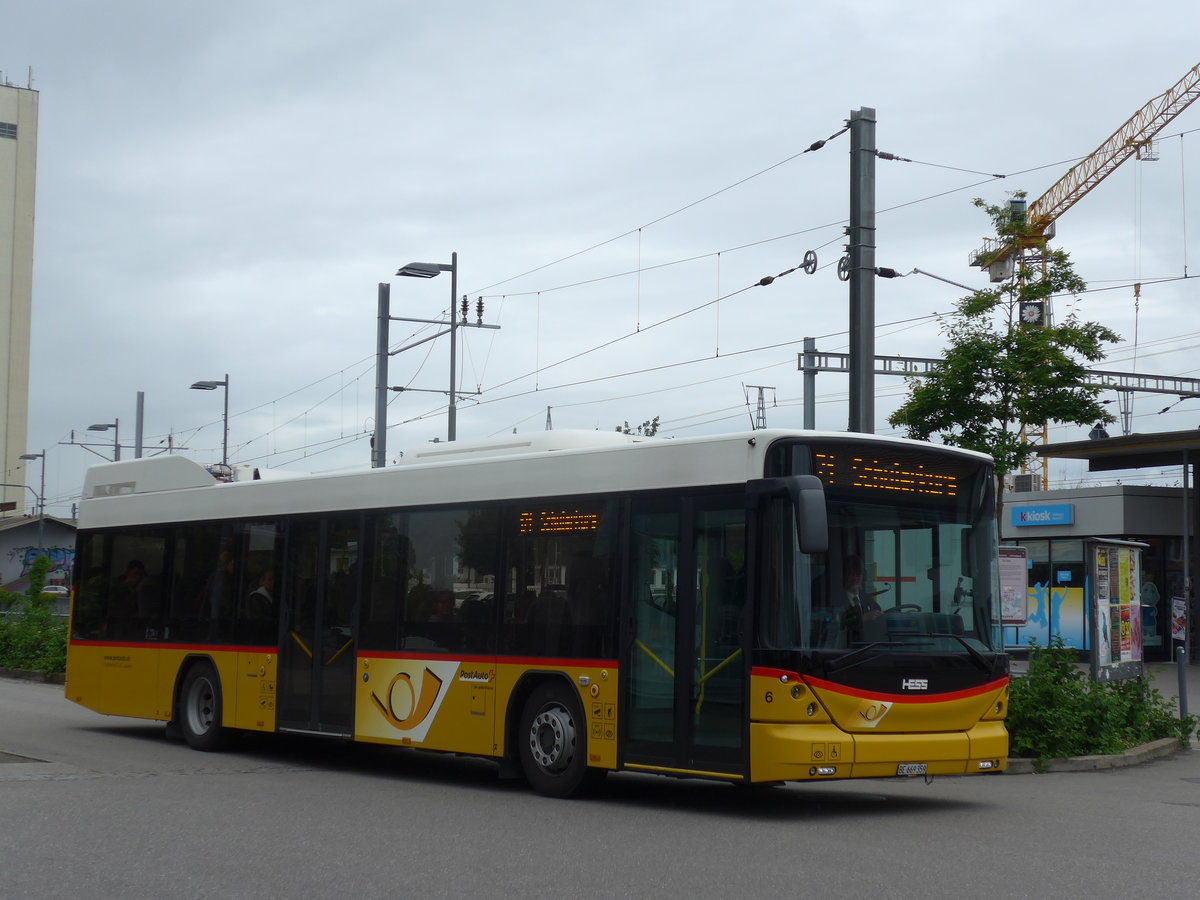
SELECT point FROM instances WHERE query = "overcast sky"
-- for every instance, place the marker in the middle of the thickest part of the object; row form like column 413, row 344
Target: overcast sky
column 221, row 187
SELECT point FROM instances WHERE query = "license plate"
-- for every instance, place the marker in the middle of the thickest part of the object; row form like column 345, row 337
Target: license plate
column 911, row 769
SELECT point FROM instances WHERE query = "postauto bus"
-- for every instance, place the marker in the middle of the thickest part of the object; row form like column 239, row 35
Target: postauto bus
column 760, row 607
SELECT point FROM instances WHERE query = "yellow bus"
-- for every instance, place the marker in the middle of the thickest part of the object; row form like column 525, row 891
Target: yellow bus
column 760, row 607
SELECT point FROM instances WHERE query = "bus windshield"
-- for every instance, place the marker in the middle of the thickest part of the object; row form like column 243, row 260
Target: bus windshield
column 910, row 560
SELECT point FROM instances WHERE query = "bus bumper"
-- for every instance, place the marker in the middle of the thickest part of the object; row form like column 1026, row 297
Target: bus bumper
column 789, row 752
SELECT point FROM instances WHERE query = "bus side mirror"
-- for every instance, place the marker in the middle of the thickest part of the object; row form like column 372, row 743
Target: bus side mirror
column 807, row 496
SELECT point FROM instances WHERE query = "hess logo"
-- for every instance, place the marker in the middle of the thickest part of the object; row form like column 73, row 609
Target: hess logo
column 407, row 708
column 914, row 684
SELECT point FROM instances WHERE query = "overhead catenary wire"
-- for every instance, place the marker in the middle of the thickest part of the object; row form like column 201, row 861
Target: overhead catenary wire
column 816, row 145
column 639, row 269
column 355, row 381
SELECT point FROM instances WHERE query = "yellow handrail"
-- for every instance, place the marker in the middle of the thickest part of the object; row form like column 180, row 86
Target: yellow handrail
column 303, row 646
column 719, row 666
column 341, row 650
column 650, row 653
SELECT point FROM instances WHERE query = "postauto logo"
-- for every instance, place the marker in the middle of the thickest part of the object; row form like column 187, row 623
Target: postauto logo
column 1047, row 514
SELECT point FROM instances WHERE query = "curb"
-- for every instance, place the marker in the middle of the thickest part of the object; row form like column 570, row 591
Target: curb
column 28, row 675
column 1131, row 757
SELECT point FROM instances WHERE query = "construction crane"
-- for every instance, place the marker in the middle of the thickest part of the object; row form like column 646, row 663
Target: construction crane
column 1000, row 255
column 1131, row 139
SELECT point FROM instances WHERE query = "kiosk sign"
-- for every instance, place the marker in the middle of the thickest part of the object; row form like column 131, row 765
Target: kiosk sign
column 1044, row 514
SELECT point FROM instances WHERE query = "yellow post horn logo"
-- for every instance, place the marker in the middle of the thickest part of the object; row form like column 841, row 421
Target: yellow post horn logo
column 419, row 703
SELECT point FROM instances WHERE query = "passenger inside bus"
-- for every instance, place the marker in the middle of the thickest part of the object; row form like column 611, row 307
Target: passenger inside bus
column 260, row 603
column 126, row 600
column 443, row 607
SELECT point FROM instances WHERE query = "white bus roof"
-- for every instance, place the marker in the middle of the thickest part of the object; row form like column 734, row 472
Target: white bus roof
column 541, row 464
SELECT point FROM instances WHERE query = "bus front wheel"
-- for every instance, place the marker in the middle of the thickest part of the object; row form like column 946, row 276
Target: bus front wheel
column 552, row 743
column 200, row 709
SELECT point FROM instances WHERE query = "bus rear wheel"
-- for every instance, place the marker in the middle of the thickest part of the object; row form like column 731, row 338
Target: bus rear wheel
column 552, row 743
column 200, row 709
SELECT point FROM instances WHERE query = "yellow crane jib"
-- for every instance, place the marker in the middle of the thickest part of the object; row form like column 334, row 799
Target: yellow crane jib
column 1124, row 143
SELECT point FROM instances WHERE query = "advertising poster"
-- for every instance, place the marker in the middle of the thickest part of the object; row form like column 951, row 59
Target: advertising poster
column 1116, row 611
column 1178, row 619
column 1103, row 645
column 1014, row 586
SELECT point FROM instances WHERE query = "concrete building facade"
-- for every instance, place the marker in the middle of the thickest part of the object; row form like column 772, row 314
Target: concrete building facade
column 18, row 170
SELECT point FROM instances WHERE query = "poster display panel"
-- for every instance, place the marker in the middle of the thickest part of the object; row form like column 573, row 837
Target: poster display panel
column 1014, row 586
column 1115, row 576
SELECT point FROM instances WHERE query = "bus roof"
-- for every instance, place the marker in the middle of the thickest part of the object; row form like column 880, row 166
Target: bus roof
column 541, row 464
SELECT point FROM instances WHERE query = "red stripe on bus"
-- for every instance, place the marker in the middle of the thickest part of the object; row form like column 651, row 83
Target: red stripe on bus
column 528, row 662
column 765, row 672
column 155, row 645
column 906, row 698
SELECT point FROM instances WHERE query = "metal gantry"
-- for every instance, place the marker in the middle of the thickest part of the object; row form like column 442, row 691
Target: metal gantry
column 811, row 361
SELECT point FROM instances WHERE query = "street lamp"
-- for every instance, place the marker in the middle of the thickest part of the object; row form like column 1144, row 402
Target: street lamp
column 412, row 270
column 115, row 426
column 431, row 270
column 41, row 498
column 212, row 386
column 418, row 270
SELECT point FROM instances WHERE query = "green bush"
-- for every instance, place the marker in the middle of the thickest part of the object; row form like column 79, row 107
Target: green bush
column 1055, row 710
column 31, row 636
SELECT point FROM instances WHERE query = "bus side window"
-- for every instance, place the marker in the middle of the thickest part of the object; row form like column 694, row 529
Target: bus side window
column 387, row 564
column 559, row 582
column 91, row 597
column 135, row 588
column 453, row 557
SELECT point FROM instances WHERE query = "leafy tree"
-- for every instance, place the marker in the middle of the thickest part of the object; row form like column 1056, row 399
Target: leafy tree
column 37, row 579
column 31, row 636
column 998, row 375
column 649, row 428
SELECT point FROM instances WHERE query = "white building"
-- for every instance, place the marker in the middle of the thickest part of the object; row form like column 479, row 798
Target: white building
column 18, row 168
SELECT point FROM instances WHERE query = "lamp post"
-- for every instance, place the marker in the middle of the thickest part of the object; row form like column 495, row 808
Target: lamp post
column 212, row 386
column 41, row 498
column 412, row 270
column 431, row 270
column 115, row 426
column 379, row 442
column 418, row 270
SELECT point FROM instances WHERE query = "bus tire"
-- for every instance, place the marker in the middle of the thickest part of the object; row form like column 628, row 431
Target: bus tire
column 552, row 744
column 200, row 709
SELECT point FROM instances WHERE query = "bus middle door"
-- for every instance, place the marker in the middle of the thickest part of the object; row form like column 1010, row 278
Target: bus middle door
column 317, row 657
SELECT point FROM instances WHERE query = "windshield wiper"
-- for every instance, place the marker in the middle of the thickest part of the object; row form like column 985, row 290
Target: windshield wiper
column 978, row 657
column 841, row 662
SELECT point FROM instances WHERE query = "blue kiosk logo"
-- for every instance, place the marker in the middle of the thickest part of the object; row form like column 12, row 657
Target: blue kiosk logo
column 1048, row 514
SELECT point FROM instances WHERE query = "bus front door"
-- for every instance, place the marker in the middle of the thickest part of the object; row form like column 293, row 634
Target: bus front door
column 317, row 659
column 685, row 657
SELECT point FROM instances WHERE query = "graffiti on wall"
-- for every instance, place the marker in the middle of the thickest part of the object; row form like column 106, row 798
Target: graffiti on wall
column 61, row 560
